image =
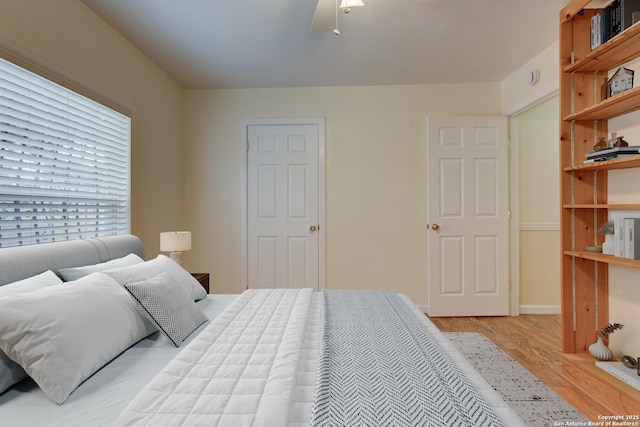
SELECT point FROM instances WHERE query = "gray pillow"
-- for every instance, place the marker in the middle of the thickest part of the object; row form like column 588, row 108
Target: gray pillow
column 166, row 305
column 10, row 372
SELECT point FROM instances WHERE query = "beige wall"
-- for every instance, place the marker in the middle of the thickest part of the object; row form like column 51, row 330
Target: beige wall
column 375, row 176
column 539, row 210
column 69, row 38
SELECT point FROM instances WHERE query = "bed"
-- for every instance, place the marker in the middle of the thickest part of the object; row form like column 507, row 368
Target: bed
column 102, row 348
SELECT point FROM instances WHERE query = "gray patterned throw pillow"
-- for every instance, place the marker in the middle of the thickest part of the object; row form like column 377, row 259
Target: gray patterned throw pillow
column 166, row 305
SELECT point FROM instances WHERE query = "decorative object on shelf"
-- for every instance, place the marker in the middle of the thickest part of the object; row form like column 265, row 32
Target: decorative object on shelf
column 617, row 141
column 609, row 245
column 629, row 362
column 601, row 145
column 175, row 242
column 621, row 81
column 594, row 248
column 609, row 329
column 599, row 349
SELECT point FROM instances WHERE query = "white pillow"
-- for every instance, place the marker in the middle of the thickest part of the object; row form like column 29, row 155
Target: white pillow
column 74, row 273
column 10, row 372
column 61, row 335
column 146, row 270
column 173, row 312
column 33, row 283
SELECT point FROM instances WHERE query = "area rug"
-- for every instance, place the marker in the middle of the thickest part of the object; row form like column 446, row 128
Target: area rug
column 530, row 398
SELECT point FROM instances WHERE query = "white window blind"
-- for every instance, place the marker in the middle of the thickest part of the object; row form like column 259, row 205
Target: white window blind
column 64, row 163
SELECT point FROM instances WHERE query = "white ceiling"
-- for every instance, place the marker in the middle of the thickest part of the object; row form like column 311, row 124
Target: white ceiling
column 269, row 43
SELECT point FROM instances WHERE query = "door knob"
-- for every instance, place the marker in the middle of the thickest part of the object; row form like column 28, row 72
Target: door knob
column 313, row 228
column 435, row 227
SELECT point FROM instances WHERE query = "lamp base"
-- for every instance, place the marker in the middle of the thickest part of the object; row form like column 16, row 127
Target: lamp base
column 176, row 257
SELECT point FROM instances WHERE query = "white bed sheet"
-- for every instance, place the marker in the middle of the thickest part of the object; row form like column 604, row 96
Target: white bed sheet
column 100, row 400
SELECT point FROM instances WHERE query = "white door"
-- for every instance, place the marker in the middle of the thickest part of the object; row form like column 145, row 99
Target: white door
column 468, row 216
column 283, row 206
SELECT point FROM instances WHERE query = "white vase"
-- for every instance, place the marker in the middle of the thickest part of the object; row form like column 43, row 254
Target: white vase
column 609, row 246
column 600, row 351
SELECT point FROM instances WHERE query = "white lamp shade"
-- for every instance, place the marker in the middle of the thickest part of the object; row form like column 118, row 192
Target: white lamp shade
column 175, row 241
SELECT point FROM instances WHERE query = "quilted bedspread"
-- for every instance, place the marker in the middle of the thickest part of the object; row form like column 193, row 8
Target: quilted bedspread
column 239, row 371
column 259, row 364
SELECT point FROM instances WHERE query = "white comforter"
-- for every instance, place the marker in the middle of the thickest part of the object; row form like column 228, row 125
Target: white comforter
column 240, row 371
column 254, row 365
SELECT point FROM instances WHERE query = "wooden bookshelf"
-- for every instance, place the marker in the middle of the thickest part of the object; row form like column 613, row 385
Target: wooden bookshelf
column 584, row 113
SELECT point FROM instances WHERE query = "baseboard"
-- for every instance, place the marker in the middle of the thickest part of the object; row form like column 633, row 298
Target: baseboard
column 539, row 309
column 524, row 309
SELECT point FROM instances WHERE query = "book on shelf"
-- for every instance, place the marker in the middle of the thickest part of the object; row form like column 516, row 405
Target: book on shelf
column 621, row 15
column 610, row 157
column 618, row 218
column 627, row 9
column 612, row 153
column 613, row 19
column 600, row 28
column 632, row 238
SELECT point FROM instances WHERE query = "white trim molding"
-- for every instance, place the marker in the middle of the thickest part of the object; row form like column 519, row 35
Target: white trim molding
column 539, row 309
column 523, row 309
column 540, row 227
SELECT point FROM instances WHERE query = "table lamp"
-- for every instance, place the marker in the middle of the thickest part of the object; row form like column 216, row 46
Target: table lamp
column 175, row 242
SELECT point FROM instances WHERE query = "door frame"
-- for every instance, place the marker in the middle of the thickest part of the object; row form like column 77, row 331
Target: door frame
column 244, row 182
column 514, row 220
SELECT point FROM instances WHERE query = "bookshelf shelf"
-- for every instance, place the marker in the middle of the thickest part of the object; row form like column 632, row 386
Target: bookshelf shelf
column 627, row 206
column 622, row 163
column 608, row 259
column 609, row 108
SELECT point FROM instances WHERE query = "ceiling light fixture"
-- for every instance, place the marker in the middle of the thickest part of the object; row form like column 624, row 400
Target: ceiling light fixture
column 346, row 5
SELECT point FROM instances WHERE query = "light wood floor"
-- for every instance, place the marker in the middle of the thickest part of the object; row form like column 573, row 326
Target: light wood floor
column 534, row 341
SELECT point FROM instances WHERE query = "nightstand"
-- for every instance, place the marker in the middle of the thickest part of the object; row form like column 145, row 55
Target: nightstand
column 203, row 279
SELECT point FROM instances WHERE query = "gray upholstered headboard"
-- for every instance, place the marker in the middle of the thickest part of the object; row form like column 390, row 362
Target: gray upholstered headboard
column 20, row 262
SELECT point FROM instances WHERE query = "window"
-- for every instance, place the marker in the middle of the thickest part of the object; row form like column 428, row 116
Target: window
column 64, row 163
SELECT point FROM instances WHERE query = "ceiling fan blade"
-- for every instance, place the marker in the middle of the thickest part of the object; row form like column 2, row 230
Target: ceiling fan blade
column 324, row 17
